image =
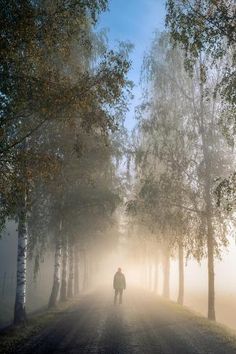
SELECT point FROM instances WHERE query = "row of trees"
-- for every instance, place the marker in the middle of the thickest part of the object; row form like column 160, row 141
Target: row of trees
column 179, row 148
column 62, row 96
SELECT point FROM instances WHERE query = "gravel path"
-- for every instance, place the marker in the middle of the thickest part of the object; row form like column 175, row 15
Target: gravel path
column 143, row 324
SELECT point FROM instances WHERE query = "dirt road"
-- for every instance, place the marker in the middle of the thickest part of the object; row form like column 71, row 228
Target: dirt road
column 143, row 324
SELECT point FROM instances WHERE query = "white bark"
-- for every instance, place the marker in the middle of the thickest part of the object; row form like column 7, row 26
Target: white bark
column 166, row 272
column 71, row 272
column 86, row 280
column 20, row 313
column 63, row 293
column 57, row 270
column 57, row 263
column 181, row 275
column 150, row 275
column 156, row 276
column 76, row 271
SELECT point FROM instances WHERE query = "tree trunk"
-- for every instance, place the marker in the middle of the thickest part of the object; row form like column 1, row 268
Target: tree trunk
column 57, row 269
column 20, row 312
column 208, row 200
column 85, row 271
column 88, row 271
column 166, row 274
column 156, row 276
column 150, row 275
column 210, row 253
column 63, row 293
column 71, row 272
column 76, row 279
column 146, row 274
column 143, row 272
column 211, row 275
column 181, row 274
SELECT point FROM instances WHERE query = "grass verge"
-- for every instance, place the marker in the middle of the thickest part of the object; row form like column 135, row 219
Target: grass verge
column 13, row 336
column 220, row 331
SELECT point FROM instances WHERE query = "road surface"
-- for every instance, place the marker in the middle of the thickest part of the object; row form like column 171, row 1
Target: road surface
column 143, row 324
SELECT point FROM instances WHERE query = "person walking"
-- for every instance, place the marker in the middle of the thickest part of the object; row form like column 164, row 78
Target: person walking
column 119, row 285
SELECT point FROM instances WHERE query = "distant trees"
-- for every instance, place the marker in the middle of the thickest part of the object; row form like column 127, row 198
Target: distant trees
column 62, row 95
column 89, row 198
column 162, row 155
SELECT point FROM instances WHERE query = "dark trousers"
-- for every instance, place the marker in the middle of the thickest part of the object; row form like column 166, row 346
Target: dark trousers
column 120, row 293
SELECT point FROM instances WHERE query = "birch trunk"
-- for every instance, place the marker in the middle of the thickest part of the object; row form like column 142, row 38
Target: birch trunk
column 156, row 276
column 71, row 272
column 76, row 279
column 85, row 279
column 208, row 200
column 181, row 275
column 20, row 312
column 166, row 274
column 211, row 274
column 143, row 273
column 57, row 270
column 150, row 276
column 146, row 273
column 63, row 292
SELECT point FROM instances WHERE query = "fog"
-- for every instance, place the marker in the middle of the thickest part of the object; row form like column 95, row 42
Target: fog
column 195, row 281
column 38, row 290
column 105, row 178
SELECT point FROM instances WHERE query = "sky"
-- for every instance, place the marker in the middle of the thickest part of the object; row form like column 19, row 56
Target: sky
column 134, row 21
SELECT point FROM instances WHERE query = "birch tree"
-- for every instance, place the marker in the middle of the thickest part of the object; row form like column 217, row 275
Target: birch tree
column 43, row 88
column 181, row 146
